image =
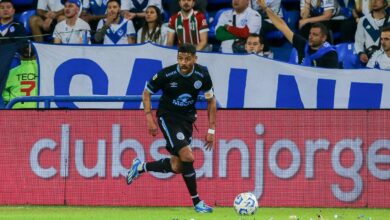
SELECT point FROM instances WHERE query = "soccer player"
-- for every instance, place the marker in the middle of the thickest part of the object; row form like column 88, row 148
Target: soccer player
column 180, row 84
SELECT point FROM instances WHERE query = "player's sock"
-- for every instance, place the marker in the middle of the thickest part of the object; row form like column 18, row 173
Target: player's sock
column 161, row 166
column 189, row 177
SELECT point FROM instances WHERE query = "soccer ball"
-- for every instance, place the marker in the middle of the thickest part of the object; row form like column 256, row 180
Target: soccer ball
column 246, row 203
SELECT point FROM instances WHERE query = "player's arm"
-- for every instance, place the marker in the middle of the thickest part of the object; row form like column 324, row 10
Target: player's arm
column 152, row 127
column 212, row 115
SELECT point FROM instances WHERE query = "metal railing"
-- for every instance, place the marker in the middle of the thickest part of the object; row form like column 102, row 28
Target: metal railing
column 47, row 100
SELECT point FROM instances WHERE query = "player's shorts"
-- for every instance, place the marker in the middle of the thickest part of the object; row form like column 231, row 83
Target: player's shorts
column 177, row 131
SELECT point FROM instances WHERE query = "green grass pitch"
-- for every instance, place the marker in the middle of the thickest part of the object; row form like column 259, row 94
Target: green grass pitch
column 185, row 213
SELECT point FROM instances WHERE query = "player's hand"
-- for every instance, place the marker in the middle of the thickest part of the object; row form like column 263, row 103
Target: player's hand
column 209, row 144
column 152, row 127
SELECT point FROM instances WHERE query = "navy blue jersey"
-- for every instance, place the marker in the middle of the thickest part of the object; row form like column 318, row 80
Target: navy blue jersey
column 180, row 92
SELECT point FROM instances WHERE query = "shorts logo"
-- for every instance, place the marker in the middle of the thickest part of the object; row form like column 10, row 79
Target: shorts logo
column 180, row 136
column 197, row 84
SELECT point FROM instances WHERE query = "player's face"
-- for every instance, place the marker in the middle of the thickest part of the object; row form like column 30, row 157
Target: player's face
column 113, row 9
column 186, row 5
column 385, row 41
column 186, row 62
column 71, row 10
column 253, row 45
column 150, row 15
column 6, row 10
column 316, row 38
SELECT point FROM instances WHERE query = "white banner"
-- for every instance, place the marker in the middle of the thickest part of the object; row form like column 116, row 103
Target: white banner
column 240, row 81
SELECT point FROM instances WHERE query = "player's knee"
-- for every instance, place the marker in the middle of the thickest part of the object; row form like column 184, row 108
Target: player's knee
column 177, row 168
column 186, row 155
column 187, row 158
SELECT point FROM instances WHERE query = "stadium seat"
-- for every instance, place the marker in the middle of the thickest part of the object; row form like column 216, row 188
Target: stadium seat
column 291, row 17
column 211, row 33
column 347, row 58
column 24, row 19
column 293, row 56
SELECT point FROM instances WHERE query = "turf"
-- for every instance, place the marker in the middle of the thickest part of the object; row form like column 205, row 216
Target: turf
column 174, row 213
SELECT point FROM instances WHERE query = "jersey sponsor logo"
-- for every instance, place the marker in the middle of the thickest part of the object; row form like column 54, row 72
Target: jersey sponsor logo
column 170, row 74
column 197, row 84
column 180, row 136
column 173, row 84
column 183, row 100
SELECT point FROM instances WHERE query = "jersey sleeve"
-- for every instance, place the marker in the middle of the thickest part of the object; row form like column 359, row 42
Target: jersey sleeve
column 156, row 82
column 202, row 22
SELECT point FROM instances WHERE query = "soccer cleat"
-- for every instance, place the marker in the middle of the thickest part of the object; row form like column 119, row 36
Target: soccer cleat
column 133, row 172
column 201, row 207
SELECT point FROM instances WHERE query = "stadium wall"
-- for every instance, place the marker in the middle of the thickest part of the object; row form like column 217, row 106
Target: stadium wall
column 306, row 158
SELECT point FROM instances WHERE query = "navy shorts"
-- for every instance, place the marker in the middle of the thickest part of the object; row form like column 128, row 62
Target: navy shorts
column 177, row 131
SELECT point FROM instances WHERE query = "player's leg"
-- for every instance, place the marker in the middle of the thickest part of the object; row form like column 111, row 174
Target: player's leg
column 189, row 175
column 164, row 165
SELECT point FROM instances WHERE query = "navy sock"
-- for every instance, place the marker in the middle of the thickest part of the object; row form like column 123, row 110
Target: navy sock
column 189, row 177
column 161, row 166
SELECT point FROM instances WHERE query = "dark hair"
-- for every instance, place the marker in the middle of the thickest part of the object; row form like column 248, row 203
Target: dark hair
column 9, row 1
column 385, row 29
column 117, row 1
column 187, row 48
column 156, row 32
column 322, row 27
column 261, row 39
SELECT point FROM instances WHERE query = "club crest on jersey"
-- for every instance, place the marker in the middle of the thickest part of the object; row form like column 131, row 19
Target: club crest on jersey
column 244, row 22
column 173, row 84
column 197, row 84
column 180, row 136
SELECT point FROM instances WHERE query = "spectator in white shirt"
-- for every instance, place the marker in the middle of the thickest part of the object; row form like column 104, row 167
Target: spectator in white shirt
column 234, row 26
column 115, row 29
column 49, row 13
column 72, row 30
column 381, row 58
column 135, row 10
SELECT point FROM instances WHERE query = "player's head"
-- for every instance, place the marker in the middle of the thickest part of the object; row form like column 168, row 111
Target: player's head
column 318, row 35
column 113, row 7
column 385, row 39
column 7, row 9
column 186, row 5
column 254, row 44
column 186, row 58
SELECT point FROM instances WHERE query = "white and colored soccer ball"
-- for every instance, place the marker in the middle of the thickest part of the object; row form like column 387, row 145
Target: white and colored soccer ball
column 246, row 203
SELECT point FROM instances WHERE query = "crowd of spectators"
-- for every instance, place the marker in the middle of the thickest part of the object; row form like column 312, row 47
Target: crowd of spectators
column 322, row 24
